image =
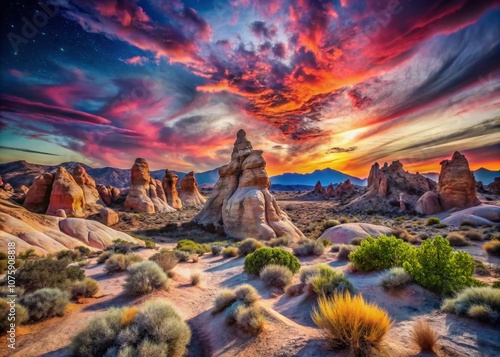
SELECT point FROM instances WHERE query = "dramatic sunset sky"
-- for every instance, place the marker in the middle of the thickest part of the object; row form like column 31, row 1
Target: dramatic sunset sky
column 315, row 84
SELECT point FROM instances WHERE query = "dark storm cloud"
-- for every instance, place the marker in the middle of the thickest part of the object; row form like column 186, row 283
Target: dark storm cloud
column 28, row 151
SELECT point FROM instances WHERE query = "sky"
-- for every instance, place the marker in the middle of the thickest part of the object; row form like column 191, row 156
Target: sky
column 314, row 83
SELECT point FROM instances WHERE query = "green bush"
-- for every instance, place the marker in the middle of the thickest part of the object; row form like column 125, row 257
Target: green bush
column 144, row 277
column 84, row 251
column 181, row 255
column 438, row 267
column 47, row 273
column 120, row 262
column 154, row 329
column 121, row 246
column 381, row 253
column 229, row 252
column 21, row 315
column 249, row 245
column 310, row 271
column 327, row 281
column 432, row 221
column 187, row 245
column 224, row 299
column 88, row 287
column 395, row 278
column 104, row 256
column 278, row 276
column 71, row 255
column 480, row 303
column 45, row 303
column 309, row 247
column 167, row 260
column 256, row 261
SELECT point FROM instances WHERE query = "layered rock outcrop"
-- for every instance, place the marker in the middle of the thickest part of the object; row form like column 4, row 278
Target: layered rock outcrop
column 142, row 196
column 190, row 196
column 38, row 196
column 93, row 200
column 66, row 195
column 240, row 201
column 457, row 185
column 170, row 187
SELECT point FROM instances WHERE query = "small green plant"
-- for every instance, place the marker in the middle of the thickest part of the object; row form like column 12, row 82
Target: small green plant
column 72, row 255
column 308, row 247
column 381, row 253
column 101, row 259
column 120, row 262
column 181, row 255
column 441, row 225
column 229, row 252
column 88, row 287
column 145, row 277
column 192, row 247
column 167, row 260
column 277, row 276
column 432, row 221
column 256, row 261
column 481, row 303
column 249, row 245
column 328, row 281
column 438, row 267
column 45, row 303
column 395, row 278
column 84, row 251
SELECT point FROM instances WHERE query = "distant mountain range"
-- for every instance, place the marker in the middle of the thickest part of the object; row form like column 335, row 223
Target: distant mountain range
column 24, row 173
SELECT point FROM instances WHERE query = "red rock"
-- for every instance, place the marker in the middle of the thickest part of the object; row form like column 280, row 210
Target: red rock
column 318, row 189
column 428, row 204
column 190, row 196
column 108, row 216
column 170, row 187
column 93, row 200
column 38, row 196
column 66, row 195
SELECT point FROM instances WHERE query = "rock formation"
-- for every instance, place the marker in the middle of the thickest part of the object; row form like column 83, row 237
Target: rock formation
column 345, row 188
column 93, row 200
column 330, row 190
column 108, row 216
column 1, row 182
column 66, row 195
column 240, row 201
column 38, row 196
column 104, row 194
column 170, row 187
column 160, row 192
column 428, row 204
column 344, row 233
column 142, row 196
column 190, row 196
column 318, row 189
column 456, row 186
column 494, row 187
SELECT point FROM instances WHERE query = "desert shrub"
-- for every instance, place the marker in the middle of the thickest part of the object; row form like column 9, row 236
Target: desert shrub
column 335, row 248
column 229, row 252
column 395, row 278
column 294, row 290
column 480, row 268
column 328, row 281
column 84, row 251
column 381, row 253
column 441, row 225
column 492, row 248
column 120, row 246
column 104, row 256
column 308, row 247
column 481, row 303
column 71, row 255
column 424, row 336
column 432, row 221
column 438, row 267
column 167, row 260
column 3, row 265
column 256, row 261
column 403, row 234
column 181, row 255
column 5, row 309
column 250, row 319
column 5, row 291
column 345, row 251
column 343, row 220
column 144, row 277
column 88, row 287
column 467, row 224
column 474, row 235
column 155, row 329
column 356, row 241
column 310, row 271
column 331, row 223
column 350, row 322
column 196, row 278
column 325, row 241
column 456, row 239
column 249, row 245
column 278, row 276
column 216, row 250
column 224, row 299
column 192, row 247
column 47, row 273
column 120, row 262
column 284, row 241
column 45, row 303
column 247, row 294
column 28, row 254
column 231, row 312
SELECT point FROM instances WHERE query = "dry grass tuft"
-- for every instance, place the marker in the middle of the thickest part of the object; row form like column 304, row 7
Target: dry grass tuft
column 492, row 248
column 128, row 314
column 456, row 239
column 196, row 278
column 424, row 336
column 350, row 322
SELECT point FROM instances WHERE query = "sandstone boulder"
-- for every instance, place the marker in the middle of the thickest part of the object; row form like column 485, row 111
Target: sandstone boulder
column 190, row 196
column 170, row 187
column 104, row 194
column 38, row 196
column 428, row 204
column 240, row 201
column 142, row 196
column 66, row 195
column 344, row 233
column 456, row 186
column 60, row 213
column 93, row 200
column 108, row 216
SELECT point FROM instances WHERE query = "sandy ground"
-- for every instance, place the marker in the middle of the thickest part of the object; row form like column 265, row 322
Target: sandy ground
column 289, row 330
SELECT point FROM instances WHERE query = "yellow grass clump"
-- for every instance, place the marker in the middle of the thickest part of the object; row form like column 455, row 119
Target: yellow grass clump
column 424, row 336
column 350, row 322
column 128, row 315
